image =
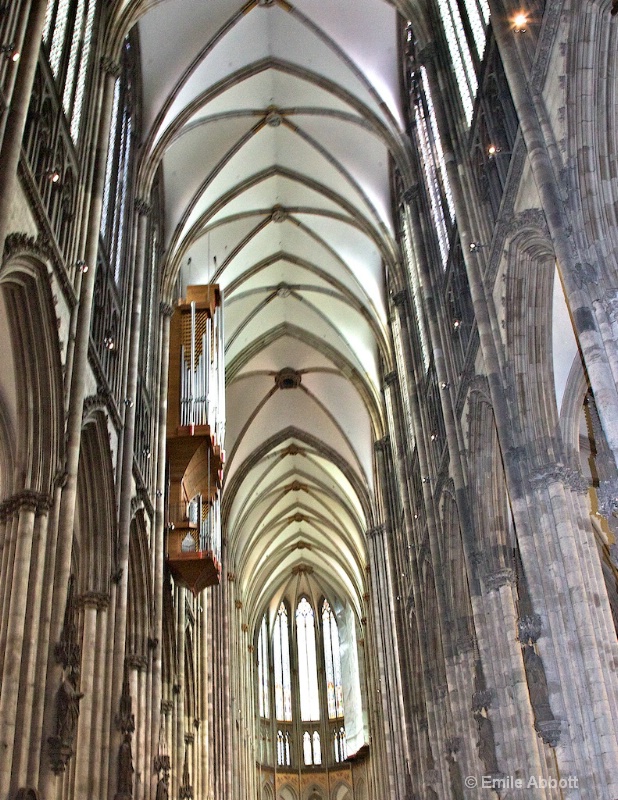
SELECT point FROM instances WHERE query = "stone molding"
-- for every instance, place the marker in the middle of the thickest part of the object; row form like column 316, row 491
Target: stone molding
column 110, row 66
column 376, row 531
column 98, row 600
column 136, row 661
column 482, row 700
column 27, row 500
column 19, row 242
column 529, row 629
column 143, row 207
column 495, row 581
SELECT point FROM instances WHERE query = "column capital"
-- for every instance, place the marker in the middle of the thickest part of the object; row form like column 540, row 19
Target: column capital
column 166, row 309
column 136, row 661
column 412, row 193
column 143, row 206
column 110, row 66
column 376, row 531
column 529, row 628
column 28, row 500
column 400, row 298
column 427, row 54
column 381, row 445
column 496, row 580
column 391, row 378
column 98, row 600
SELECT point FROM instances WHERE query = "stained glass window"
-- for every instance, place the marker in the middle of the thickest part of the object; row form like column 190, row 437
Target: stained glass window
column 478, row 16
column 434, row 166
column 281, row 657
column 416, row 297
column 307, row 748
column 283, row 749
column 67, row 33
column 317, row 749
column 341, row 750
column 332, row 660
column 307, row 662
column 263, row 690
column 461, row 56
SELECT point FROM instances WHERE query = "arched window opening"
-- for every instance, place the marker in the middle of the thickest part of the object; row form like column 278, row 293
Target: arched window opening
column 341, row 752
column 432, row 159
column 317, row 749
column 307, row 662
column 478, row 16
column 312, row 751
column 332, row 662
column 283, row 749
column 263, row 698
column 461, row 55
column 302, row 661
column 281, row 658
column 67, row 36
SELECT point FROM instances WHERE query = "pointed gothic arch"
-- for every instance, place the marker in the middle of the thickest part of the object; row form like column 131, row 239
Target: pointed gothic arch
column 38, row 371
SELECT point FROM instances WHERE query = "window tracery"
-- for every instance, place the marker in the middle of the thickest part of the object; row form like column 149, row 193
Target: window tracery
column 332, row 659
column 299, row 665
column 281, row 658
column 307, row 662
column 68, row 37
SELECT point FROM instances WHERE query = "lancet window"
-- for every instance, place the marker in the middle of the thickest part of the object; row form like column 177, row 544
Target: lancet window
column 299, row 665
column 68, row 36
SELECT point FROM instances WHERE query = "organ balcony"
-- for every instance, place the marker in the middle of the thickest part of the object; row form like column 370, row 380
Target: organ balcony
column 195, row 437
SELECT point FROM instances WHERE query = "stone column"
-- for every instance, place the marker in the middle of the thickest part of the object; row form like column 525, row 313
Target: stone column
column 204, row 704
column 18, row 109
column 29, row 680
column 85, row 728
column 47, row 588
column 386, row 649
column 62, row 564
column 8, row 557
column 507, row 703
column 101, row 701
column 159, row 543
column 126, row 476
column 23, row 506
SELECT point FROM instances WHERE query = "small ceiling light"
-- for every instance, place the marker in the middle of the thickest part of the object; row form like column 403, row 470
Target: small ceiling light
column 456, row 324
column 444, row 385
column 10, row 51
column 109, row 342
column 492, row 150
column 519, row 22
column 434, row 436
column 52, row 175
column 81, row 265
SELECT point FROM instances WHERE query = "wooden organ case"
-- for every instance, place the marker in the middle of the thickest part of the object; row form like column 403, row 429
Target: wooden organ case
column 195, row 437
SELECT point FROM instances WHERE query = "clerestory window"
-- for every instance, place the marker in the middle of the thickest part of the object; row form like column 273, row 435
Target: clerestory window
column 299, row 665
column 67, row 36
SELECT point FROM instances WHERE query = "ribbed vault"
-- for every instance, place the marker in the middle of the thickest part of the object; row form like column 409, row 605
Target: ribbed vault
column 276, row 127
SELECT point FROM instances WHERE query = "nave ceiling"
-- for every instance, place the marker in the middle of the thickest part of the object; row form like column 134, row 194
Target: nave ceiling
column 277, row 126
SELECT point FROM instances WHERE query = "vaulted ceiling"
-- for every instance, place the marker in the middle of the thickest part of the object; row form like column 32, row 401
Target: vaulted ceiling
column 277, row 125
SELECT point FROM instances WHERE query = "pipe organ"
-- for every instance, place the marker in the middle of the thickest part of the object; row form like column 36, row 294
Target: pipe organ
column 195, row 438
